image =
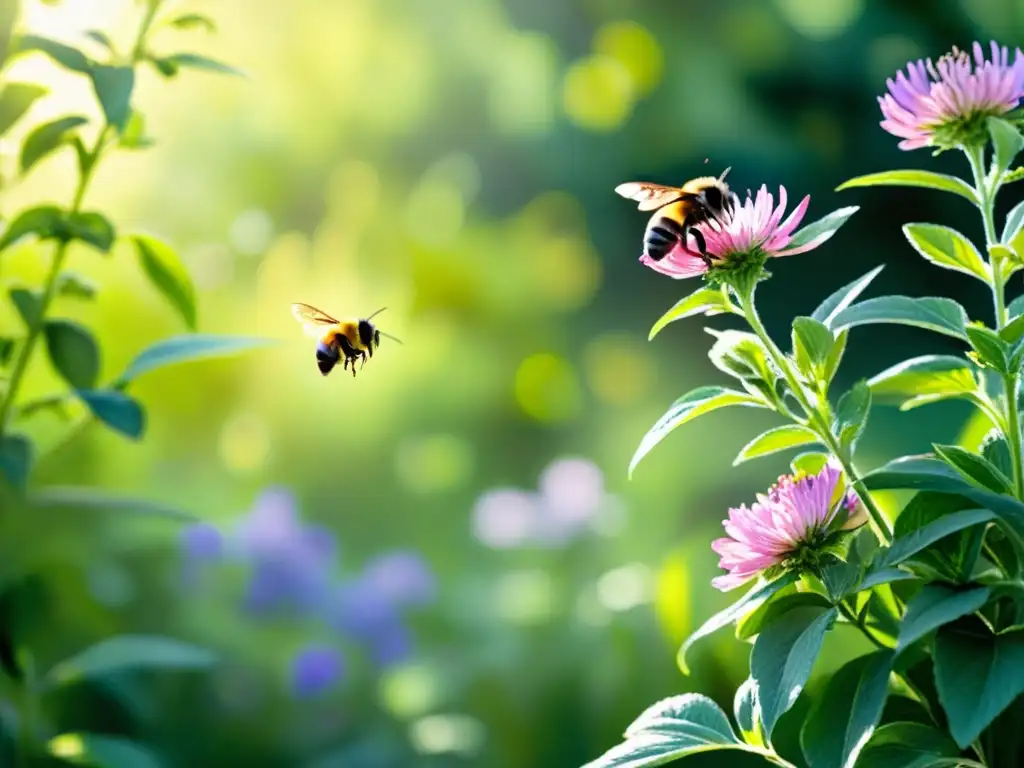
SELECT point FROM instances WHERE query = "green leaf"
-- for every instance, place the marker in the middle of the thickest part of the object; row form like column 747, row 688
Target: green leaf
column 65, row 55
column 49, row 403
column 15, row 101
column 927, row 378
column 909, row 544
column 46, row 138
column 124, row 652
column 102, row 751
column 812, row 345
column 819, row 231
column 103, row 39
column 913, row 178
column 1013, row 226
column 810, row 463
column 780, row 604
column 783, row 656
column 113, row 86
column 92, row 228
column 996, row 450
column 194, row 20
column 169, row 66
column 852, row 414
column 910, row 745
column 73, row 351
column 703, row 301
column 670, row 729
column 751, row 601
column 776, row 439
column 75, row 286
column 835, row 357
column 875, row 578
column 977, row 675
column 844, row 717
column 134, row 134
column 1013, row 331
column 975, row 468
column 747, row 712
column 168, row 275
column 844, row 297
column 29, row 304
column 1006, row 140
column 934, row 606
column 44, row 221
column 6, row 348
column 935, row 314
column 187, row 348
column 947, row 248
column 991, row 350
column 16, row 454
column 951, row 557
column 98, row 500
column 1016, row 307
column 117, row 410
column 740, row 354
column 687, row 408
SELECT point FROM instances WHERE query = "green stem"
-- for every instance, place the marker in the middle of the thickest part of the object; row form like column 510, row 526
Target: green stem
column 817, row 420
column 1011, row 382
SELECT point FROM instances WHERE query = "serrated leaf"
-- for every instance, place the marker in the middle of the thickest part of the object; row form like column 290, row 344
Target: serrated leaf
column 909, row 544
column 187, row 348
column 703, row 301
column 783, row 657
column 65, row 55
column 944, row 376
column 1007, row 142
column 193, row 20
column 776, row 439
column 909, row 745
column 93, row 228
column 996, row 450
column 99, row 500
column 935, row 605
column 29, row 304
column 740, row 354
column 991, row 350
column 102, row 751
column 844, row 297
column 15, row 100
column 978, row 675
column 113, row 86
column 671, row 729
column 117, row 410
column 46, row 138
column 913, row 178
column 747, row 712
column 44, row 221
column 852, row 414
column 974, row 468
column 700, row 401
column 933, row 313
column 817, row 232
column 754, row 598
column 168, row 275
column 843, row 718
column 947, row 248
column 16, row 454
column 73, row 352
column 124, row 652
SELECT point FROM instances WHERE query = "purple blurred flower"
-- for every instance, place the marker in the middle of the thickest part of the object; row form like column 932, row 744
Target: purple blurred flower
column 506, row 517
column 946, row 104
column 315, row 669
column 572, row 495
column 202, row 541
column 402, row 577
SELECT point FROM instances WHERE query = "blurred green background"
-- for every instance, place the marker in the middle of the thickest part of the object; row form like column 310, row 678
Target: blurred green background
column 454, row 160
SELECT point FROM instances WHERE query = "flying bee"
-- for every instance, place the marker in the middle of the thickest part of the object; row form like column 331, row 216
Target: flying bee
column 677, row 211
column 346, row 340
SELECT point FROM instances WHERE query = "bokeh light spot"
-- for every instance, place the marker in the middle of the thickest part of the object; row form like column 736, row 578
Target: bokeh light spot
column 619, row 368
column 505, row 517
column 755, row 36
column 633, row 46
column 434, row 462
column 672, row 597
column 244, row 442
column 624, row 588
column 597, row 93
column 251, row 231
column 887, row 55
column 547, row 388
column 566, row 271
column 68, row 746
column 409, row 690
column 525, row 597
column 435, row 211
column 438, row 734
column 820, row 20
column 522, row 88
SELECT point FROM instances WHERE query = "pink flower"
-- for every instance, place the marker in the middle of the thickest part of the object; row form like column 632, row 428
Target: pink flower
column 945, row 104
column 753, row 230
column 795, row 513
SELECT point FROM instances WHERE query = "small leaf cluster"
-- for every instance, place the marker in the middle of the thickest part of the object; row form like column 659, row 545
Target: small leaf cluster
column 939, row 592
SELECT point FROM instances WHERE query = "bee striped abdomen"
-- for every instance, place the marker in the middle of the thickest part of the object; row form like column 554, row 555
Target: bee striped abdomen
column 661, row 237
column 327, row 356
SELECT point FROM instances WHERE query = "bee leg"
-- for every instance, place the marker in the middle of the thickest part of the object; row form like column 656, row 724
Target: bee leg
column 702, row 246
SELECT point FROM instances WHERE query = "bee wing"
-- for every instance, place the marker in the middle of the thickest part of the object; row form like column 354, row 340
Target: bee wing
column 649, row 196
column 312, row 319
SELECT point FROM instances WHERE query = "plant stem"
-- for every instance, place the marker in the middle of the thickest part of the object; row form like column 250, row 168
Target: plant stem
column 817, row 420
column 1011, row 382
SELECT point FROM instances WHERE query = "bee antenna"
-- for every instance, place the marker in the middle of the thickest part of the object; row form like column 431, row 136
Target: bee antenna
column 725, row 173
column 388, row 335
column 377, row 312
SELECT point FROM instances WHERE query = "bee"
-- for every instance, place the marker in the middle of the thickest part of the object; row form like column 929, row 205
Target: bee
column 346, row 340
column 677, row 211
